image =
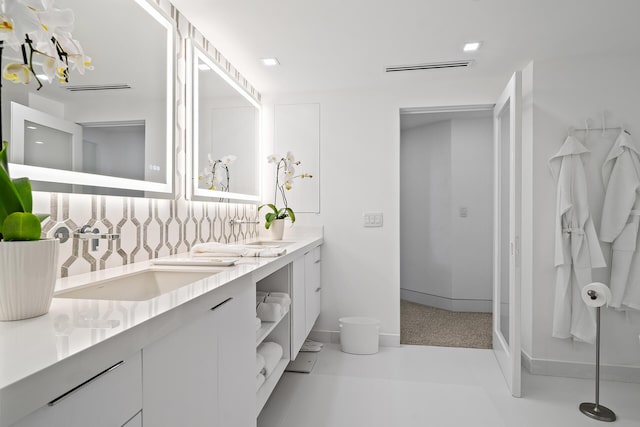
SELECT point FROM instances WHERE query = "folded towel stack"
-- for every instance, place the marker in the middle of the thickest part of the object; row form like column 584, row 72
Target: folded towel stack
column 271, row 306
column 258, row 323
column 272, row 353
column 270, row 311
column 221, row 249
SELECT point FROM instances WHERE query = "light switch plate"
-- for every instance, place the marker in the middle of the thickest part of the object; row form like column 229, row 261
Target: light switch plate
column 372, row 219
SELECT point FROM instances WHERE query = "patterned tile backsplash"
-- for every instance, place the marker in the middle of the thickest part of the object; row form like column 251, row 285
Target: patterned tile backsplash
column 148, row 228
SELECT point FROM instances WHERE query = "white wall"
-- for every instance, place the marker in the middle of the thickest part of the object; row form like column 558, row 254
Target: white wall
column 425, row 213
column 472, row 187
column 359, row 171
column 566, row 92
column 445, row 258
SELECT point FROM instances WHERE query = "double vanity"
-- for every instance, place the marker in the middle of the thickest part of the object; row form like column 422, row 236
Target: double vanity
column 157, row 345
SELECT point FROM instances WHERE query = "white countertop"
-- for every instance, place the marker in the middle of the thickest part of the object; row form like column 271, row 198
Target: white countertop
column 75, row 325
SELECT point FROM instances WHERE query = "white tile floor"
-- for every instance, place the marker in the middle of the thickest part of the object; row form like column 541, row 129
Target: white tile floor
column 434, row 386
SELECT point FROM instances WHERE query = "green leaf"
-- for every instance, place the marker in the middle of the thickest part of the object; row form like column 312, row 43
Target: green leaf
column 4, row 162
column 269, row 218
column 291, row 215
column 23, row 186
column 21, row 226
column 9, row 197
column 271, row 205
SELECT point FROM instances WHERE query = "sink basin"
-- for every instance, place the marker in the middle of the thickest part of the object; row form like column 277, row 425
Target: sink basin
column 140, row 286
column 269, row 243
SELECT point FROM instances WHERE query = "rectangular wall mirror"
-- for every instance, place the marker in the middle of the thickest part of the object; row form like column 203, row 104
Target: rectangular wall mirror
column 109, row 130
column 223, row 134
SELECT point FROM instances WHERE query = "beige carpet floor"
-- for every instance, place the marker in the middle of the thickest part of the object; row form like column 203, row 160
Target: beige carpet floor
column 423, row 325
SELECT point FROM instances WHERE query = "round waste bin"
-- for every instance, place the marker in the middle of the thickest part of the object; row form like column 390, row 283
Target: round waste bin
column 359, row 335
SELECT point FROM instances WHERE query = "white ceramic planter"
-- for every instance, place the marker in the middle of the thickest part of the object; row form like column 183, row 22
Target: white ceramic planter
column 27, row 278
column 277, row 229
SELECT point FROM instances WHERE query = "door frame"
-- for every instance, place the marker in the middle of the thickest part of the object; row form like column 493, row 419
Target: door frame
column 515, row 332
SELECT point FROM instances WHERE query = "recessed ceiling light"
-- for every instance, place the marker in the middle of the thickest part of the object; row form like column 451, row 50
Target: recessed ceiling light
column 471, row 46
column 270, row 62
column 204, row 67
column 38, row 142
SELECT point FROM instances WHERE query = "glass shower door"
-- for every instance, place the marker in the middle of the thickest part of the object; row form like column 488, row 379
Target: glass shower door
column 506, row 277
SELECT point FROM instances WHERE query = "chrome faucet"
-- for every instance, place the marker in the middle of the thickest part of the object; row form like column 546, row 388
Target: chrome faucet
column 235, row 221
column 86, row 233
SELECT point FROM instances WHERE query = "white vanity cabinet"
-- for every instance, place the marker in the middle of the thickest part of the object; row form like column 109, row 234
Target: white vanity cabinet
column 312, row 287
column 203, row 373
column 110, row 398
column 306, row 296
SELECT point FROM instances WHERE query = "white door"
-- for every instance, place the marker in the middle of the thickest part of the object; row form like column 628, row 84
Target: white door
column 506, row 268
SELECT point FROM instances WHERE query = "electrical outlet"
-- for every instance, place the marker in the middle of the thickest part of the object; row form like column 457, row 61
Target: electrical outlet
column 372, row 219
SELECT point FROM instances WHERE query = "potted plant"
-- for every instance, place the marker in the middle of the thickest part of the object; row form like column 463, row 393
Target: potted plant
column 285, row 175
column 28, row 265
column 39, row 32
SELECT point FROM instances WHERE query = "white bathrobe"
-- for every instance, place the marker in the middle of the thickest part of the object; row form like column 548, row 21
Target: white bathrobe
column 577, row 250
column 620, row 217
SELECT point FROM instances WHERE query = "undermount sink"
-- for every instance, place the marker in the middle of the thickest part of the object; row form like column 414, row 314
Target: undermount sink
column 140, row 286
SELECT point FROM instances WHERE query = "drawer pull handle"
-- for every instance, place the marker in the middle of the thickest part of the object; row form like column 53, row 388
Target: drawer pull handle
column 317, row 261
column 318, row 289
column 215, row 307
column 84, row 384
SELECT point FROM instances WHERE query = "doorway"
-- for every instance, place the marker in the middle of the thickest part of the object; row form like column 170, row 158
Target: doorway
column 447, row 226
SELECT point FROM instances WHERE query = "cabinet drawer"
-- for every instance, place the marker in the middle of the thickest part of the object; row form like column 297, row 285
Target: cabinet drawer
column 108, row 399
column 313, row 288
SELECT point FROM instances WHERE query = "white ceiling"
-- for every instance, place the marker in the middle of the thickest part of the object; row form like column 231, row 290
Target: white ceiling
column 342, row 44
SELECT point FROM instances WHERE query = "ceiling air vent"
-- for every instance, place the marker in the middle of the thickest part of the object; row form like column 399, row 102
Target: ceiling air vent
column 431, row 66
column 86, row 88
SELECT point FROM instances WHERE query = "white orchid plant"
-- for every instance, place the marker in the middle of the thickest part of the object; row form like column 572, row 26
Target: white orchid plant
column 40, row 33
column 216, row 174
column 285, row 176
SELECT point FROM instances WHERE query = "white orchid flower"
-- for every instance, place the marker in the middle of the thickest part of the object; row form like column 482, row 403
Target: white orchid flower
column 19, row 18
column 290, row 158
column 228, row 159
column 272, row 158
column 17, row 73
column 54, row 20
column 288, row 184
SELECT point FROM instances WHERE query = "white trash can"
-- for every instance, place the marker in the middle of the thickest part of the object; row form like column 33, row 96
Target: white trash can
column 359, row 335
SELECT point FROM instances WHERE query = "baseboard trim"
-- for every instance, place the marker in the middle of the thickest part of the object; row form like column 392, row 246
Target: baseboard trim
column 386, row 340
column 561, row 368
column 450, row 304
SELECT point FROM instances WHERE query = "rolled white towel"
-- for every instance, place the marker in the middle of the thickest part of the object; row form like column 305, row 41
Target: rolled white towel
column 259, row 299
column 259, row 363
column 258, row 323
column 261, row 293
column 272, row 353
column 270, row 311
column 220, row 249
column 260, row 379
column 279, row 300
